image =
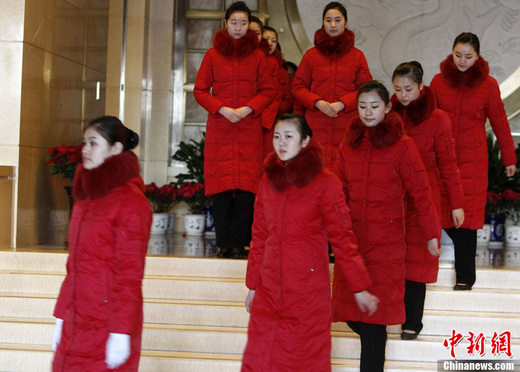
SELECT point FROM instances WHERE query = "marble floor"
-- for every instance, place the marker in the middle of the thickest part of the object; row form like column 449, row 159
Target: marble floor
column 181, row 245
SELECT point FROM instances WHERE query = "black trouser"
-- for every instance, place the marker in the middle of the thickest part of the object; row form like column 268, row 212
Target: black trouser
column 373, row 345
column 465, row 243
column 414, row 295
column 233, row 217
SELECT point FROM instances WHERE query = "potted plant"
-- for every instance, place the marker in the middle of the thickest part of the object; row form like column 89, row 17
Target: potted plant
column 64, row 160
column 162, row 199
column 191, row 186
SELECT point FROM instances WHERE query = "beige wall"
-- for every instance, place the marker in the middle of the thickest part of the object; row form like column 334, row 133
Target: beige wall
column 63, row 56
column 53, row 52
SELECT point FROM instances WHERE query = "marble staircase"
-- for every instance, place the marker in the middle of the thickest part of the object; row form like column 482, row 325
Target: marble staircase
column 195, row 319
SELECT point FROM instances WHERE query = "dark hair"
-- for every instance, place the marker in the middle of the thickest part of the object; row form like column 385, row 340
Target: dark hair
column 255, row 19
column 292, row 64
column 268, row 28
column 412, row 70
column 335, row 5
column 111, row 129
column 301, row 124
column 375, row 86
column 468, row 38
column 238, row 6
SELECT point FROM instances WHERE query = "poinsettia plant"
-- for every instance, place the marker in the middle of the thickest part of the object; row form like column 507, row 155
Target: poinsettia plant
column 193, row 194
column 511, row 206
column 163, row 198
column 64, row 160
column 494, row 204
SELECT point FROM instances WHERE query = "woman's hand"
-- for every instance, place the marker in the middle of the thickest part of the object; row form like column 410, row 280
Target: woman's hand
column 511, row 170
column 366, row 301
column 337, row 106
column 243, row 111
column 230, row 114
column 249, row 299
column 326, row 108
column 458, row 217
column 433, row 247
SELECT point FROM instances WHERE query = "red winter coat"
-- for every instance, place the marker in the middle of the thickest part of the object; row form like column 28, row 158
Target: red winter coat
column 108, row 237
column 378, row 166
column 333, row 71
column 234, row 73
column 299, row 208
column 470, row 98
column 430, row 128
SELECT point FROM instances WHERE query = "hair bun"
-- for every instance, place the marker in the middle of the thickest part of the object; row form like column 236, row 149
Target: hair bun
column 133, row 139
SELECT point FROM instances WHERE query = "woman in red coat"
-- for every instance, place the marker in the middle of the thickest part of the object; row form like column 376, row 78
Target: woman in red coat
column 299, row 208
column 470, row 96
column 234, row 85
column 430, row 128
column 100, row 306
column 328, row 78
column 378, row 164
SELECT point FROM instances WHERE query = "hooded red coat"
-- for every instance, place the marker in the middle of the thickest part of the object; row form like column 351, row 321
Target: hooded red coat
column 333, row 71
column 108, row 237
column 430, row 128
column 299, row 208
column 470, row 98
column 234, row 73
column 378, row 166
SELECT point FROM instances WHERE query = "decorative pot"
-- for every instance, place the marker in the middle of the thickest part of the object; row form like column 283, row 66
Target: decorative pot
column 171, row 223
column 513, row 235
column 159, row 223
column 210, row 225
column 483, row 235
column 194, row 224
column 497, row 228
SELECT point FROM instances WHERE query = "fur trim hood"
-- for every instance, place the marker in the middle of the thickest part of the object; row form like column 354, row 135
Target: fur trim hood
column 117, row 170
column 418, row 110
column 383, row 135
column 298, row 172
column 469, row 78
column 330, row 45
column 226, row 45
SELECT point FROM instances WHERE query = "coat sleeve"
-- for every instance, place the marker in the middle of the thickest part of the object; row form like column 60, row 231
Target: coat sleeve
column 498, row 120
column 446, row 155
column 266, row 87
column 259, row 236
column 132, row 234
column 204, row 84
column 362, row 76
column 338, row 224
column 301, row 86
column 415, row 179
column 338, row 168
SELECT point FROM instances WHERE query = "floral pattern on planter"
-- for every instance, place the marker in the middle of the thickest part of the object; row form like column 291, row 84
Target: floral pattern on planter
column 513, row 235
column 194, row 224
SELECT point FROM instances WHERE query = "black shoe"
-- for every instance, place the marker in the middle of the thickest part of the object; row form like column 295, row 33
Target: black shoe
column 408, row 336
column 223, row 253
column 237, row 253
column 462, row 287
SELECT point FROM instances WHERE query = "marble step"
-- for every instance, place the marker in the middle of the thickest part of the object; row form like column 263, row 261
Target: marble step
column 28, row 358
column 233, row 314
column 232, row 340
column 499, row 278
column 232, row 289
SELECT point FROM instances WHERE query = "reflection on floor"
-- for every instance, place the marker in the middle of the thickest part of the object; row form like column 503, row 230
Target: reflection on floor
column 205, row 246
